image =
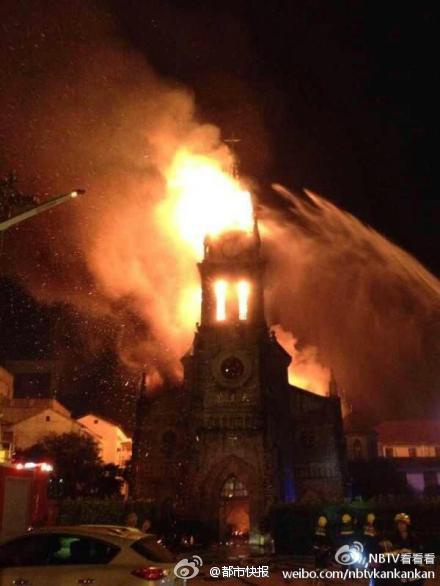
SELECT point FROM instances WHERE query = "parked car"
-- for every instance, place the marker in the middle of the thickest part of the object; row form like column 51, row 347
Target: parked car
column 97, row 555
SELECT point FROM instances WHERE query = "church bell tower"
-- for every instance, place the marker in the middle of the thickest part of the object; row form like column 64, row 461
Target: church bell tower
column 236, row 377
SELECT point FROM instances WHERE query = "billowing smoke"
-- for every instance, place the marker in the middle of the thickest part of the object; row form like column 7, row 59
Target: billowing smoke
column 305, row 370
column 369, row 308
column 83, row 110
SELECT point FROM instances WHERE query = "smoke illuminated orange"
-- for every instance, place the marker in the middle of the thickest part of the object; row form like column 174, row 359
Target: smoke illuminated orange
column 204, row 199
column 305, row 370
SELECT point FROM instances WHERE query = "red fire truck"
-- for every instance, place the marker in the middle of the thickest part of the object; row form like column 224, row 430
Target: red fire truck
column 23, row 497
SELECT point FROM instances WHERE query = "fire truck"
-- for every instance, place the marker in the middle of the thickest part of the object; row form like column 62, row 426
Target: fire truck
column 23, row 497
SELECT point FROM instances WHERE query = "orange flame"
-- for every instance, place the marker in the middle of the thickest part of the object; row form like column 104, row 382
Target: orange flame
column 243, row 296
column 221, row 288
column 204, row 199
column 305, row 370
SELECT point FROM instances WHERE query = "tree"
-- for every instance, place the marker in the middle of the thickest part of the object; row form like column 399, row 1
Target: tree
column 78, row 467
column 109, row 481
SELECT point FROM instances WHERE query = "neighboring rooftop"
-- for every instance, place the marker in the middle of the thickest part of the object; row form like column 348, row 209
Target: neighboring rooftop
column 406, row 431
column 105, row 419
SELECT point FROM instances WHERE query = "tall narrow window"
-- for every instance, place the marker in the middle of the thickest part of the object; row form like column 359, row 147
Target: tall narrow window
column 221, row 288
column 243, row 298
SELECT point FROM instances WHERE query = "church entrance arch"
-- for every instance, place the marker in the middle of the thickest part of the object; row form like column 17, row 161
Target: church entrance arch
column 232, row 496
column 234, row 514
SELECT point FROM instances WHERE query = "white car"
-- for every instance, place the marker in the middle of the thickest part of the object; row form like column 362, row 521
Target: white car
column 97, row 555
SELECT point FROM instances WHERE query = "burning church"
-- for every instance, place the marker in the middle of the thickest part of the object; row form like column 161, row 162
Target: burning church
column 236, row 437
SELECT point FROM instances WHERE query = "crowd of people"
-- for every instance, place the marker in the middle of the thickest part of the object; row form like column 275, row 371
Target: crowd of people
column 329, row 539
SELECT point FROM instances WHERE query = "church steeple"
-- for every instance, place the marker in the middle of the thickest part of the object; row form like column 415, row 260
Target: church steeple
column 230, row 443
column 141, row 411
column 231, row 276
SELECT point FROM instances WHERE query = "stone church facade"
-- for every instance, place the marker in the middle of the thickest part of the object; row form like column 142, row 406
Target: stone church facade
column 236, row 438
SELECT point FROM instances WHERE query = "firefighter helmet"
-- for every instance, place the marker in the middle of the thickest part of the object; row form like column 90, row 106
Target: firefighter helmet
column 322, row 521
column 347, row 525
column 371, row 517
column 403, row 518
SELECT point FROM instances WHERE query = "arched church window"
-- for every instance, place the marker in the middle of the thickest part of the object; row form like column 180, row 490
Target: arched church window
column 169, row 441
column 221, row 290
column 243, row 299
column 234, row 488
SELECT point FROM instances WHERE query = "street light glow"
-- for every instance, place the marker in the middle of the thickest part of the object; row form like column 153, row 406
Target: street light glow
column 42, row 466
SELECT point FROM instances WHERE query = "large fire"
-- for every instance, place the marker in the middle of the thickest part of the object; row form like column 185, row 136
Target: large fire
column 305, row 370
column 126, row 265
column 205, row 199
column 202, row 198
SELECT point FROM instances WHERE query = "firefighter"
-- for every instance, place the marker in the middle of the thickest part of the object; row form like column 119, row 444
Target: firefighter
column 404, row 540
column 401, row 540
column 348, row 543
column 346, row 529
column 403, row 537
column 370, row 534
column 322, row 543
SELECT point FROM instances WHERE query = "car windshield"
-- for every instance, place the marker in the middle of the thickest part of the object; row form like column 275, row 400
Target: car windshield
column 151, row 550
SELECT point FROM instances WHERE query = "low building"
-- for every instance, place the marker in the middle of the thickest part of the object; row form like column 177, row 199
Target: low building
column 6, row 393
column 115, row 444
column 27, row 421
column 414, row 446
column 6, row 385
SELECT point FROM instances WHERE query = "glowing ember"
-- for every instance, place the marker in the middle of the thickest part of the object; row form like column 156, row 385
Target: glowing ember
column 205, row 199
column 243, row 296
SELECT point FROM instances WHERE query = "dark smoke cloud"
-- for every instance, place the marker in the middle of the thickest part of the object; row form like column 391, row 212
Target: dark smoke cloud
column 78, row 107
column 82, row 109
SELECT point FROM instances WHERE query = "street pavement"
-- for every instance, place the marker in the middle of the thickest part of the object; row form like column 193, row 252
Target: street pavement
column 238, row 556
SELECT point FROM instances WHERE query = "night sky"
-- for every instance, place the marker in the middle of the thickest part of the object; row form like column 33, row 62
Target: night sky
column 342, row 94
column 337, row 97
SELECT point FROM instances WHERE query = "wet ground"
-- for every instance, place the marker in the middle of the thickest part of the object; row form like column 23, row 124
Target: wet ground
column 242, row 555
